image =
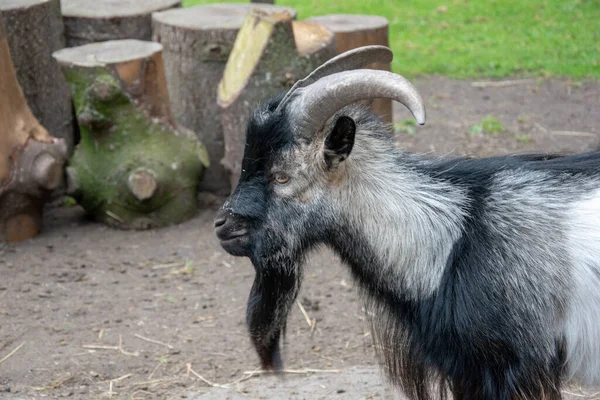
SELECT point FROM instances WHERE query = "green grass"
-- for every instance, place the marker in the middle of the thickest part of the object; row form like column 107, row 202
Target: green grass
column 406, row 126
column 489, row 125
column 523, row 139
column 480, row 38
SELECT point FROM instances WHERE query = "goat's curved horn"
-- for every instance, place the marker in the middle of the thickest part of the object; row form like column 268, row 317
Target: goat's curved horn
column 349, row 60
column 313, row 105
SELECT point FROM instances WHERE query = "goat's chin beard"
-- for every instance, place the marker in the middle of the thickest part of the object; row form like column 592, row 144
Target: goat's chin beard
column 273, row 292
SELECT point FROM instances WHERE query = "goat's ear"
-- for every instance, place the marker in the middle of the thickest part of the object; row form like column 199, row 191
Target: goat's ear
column 339, row 142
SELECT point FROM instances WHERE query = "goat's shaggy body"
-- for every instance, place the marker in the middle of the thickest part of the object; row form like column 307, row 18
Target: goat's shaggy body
column 482, row 277
column 483, row 272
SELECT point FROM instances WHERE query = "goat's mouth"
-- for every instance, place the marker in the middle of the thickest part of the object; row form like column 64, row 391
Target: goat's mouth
column 236, row 243
column 233, row 233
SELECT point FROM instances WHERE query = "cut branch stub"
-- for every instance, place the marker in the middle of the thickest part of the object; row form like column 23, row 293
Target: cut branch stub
column 270, row 54
column 90, row 21
column 34, row 29
column 135, row 167
column 31, row 161
column 47, row 171
column 142, row 184
column 353, row 31
column 198, row 41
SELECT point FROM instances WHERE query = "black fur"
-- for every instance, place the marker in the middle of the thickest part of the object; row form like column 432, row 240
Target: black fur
column 268, row 133
column 266, row 137
column 271, row 284
column 277, row 279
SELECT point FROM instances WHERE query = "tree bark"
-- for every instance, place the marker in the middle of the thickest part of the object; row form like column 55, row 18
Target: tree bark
column 270, row 54
column 134, row 167
column 89, row 21
column 31, row 161
column 352, row 31
column 34, row 29
column 197, row 43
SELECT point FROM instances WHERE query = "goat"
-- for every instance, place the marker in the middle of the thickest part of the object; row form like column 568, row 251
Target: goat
column 482, row 275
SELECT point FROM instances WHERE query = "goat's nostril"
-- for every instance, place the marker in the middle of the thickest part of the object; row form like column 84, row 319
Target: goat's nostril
column 220, row 221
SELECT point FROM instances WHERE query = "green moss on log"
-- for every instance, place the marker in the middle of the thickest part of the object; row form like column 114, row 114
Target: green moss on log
column 117, row 139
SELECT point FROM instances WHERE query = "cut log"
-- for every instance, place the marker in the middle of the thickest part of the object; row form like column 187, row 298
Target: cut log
column 270, row 54
column 31, row 161
column 89, row 21
column 352, row 31
column 34, row 29
column 134, row 167
column 197, row 43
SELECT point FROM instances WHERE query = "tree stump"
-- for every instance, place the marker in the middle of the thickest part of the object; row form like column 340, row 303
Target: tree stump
column 197, row 43
column 352, row 31
column 34, row 29
column 89, row 21
column 134, row 167
column 270, row 54
column 31, row 161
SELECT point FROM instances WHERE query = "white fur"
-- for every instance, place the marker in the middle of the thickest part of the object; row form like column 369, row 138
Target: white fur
column 412, row 224
column 582, row 327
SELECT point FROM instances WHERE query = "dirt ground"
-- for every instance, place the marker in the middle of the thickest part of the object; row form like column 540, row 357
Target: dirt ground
column 90, row 312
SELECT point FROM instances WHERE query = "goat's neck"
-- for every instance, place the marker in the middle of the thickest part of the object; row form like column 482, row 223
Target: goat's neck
column 401, row 223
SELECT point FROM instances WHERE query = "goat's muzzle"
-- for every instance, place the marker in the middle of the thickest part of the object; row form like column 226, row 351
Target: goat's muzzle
column 233, row 232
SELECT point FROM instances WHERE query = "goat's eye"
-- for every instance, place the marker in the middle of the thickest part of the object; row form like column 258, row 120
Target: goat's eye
column 282, row 178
